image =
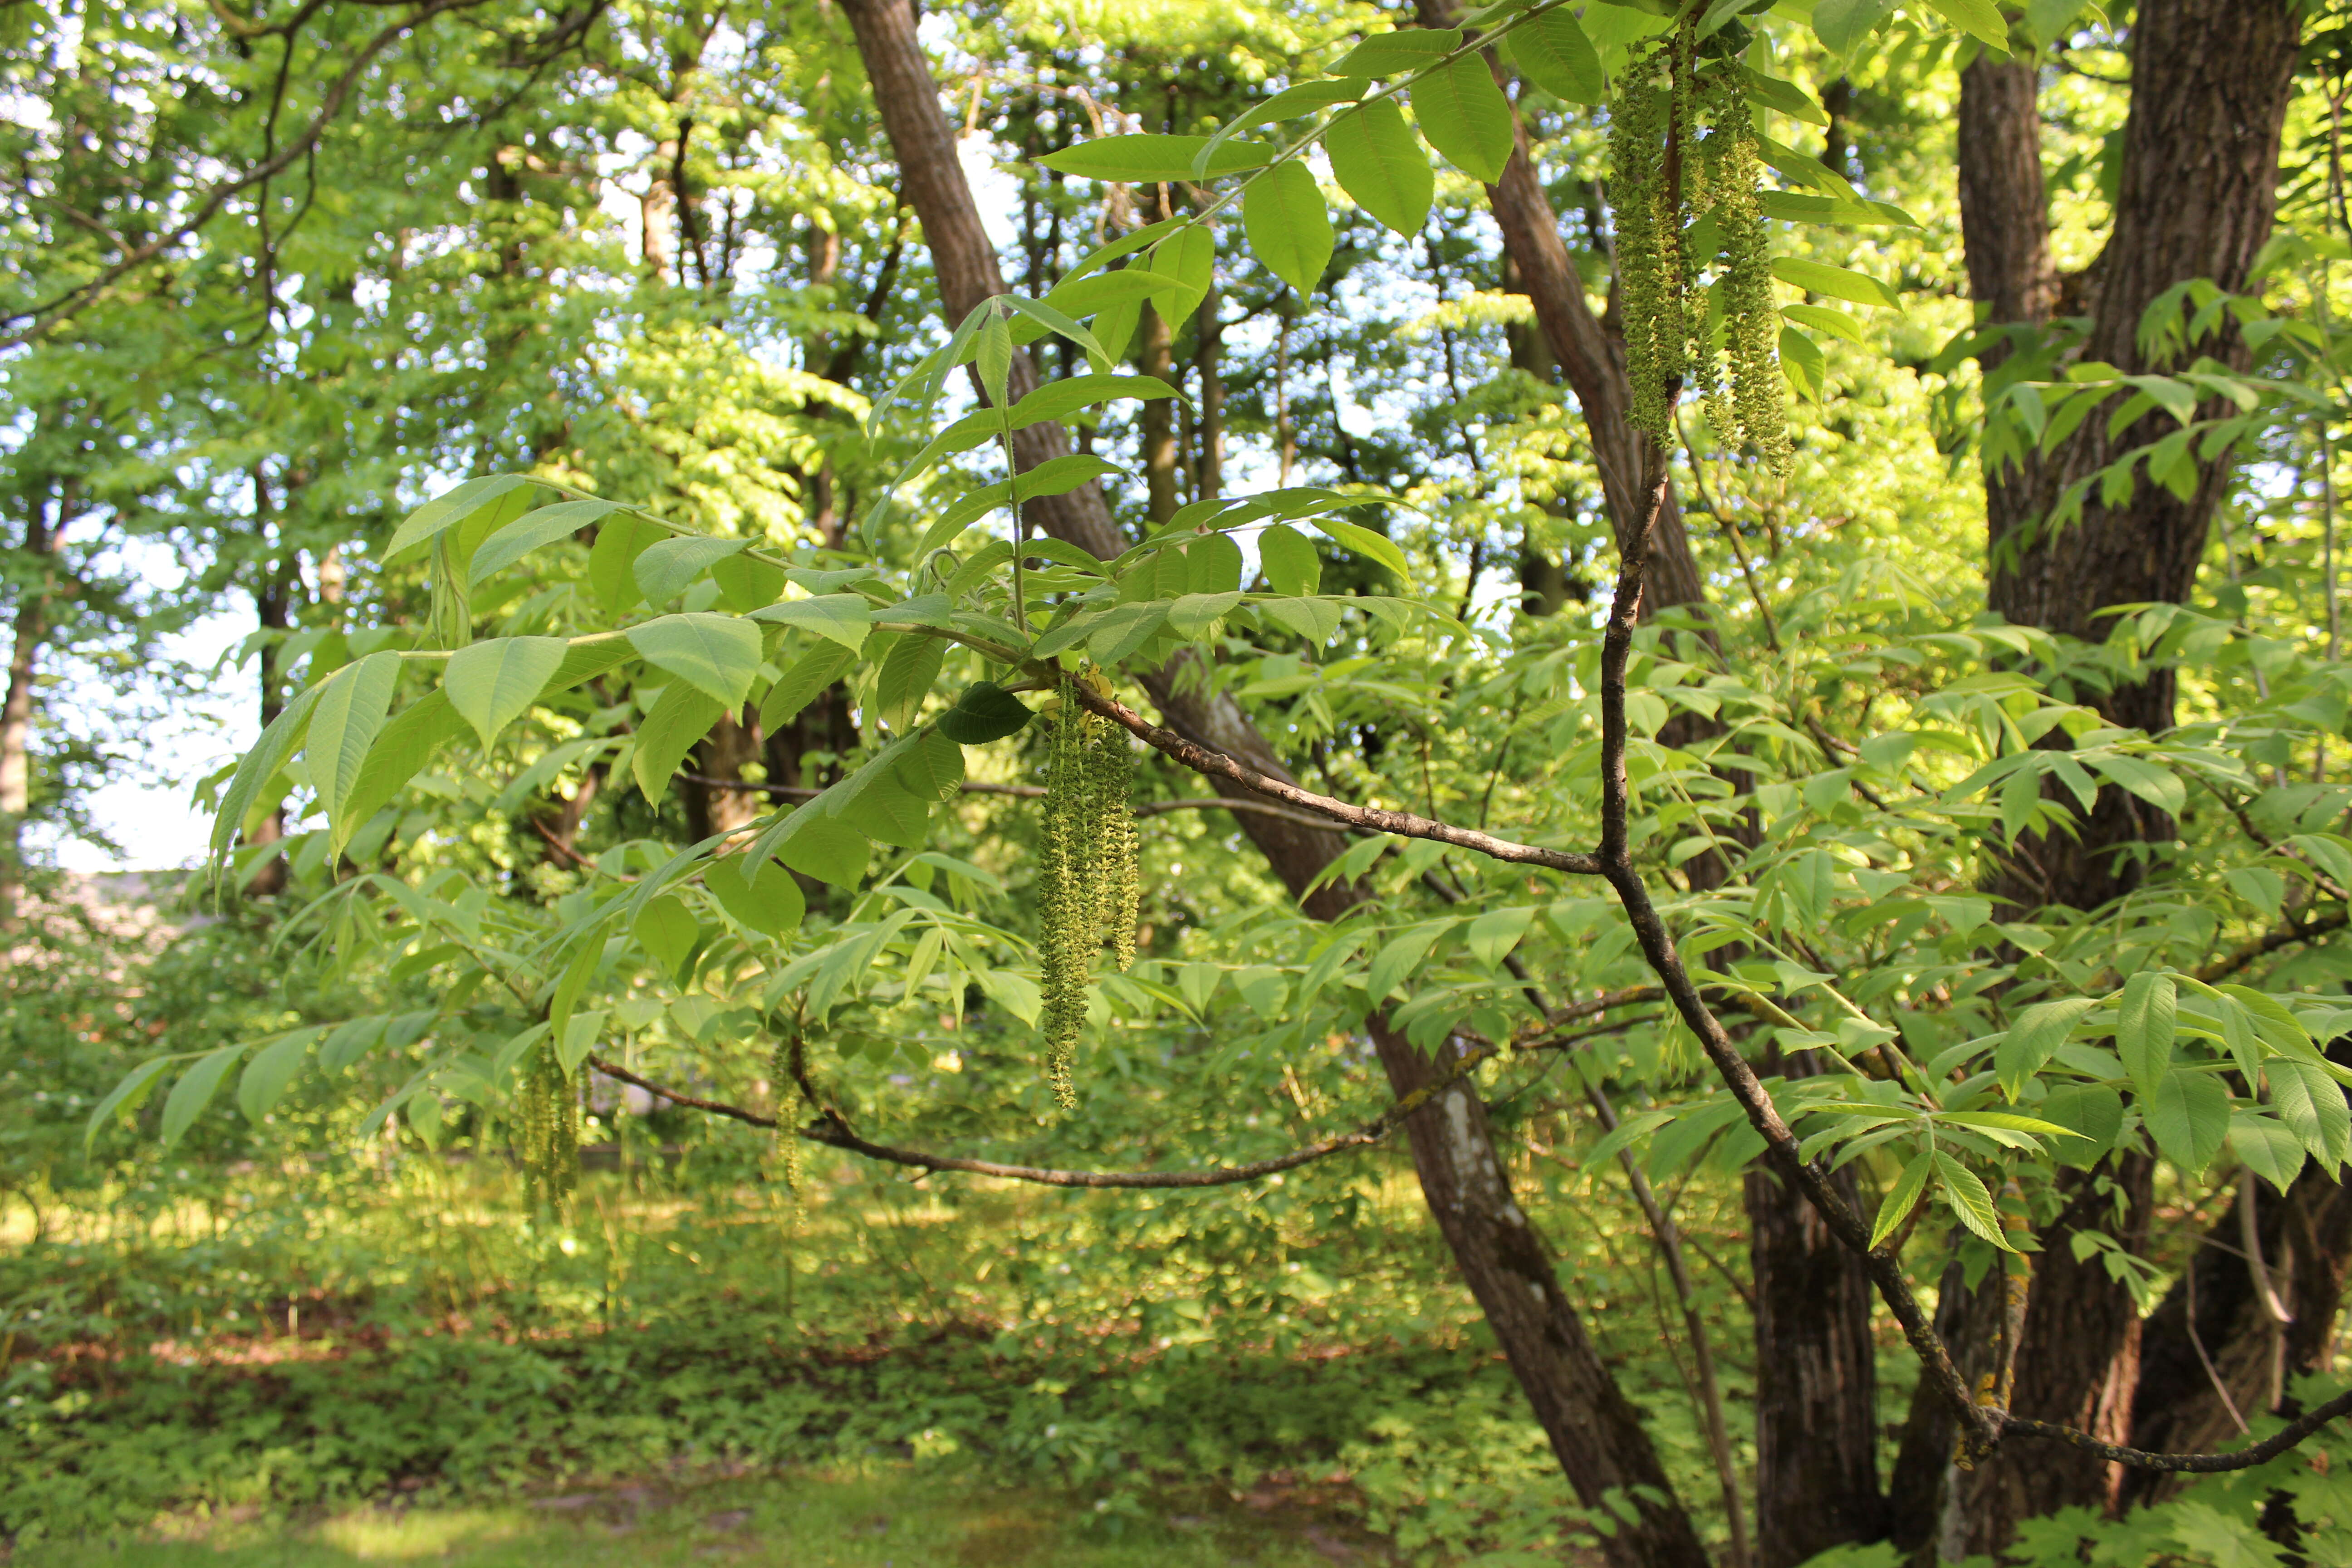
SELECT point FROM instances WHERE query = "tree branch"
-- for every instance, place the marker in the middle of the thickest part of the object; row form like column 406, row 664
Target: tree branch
column 833, row 1133
column 73, row 301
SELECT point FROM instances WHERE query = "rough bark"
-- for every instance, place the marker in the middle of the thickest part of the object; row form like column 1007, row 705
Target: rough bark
column 1207, row 354
column 31, row 626
column 733, row 741
column 1593, row 1430
column 2198, row 191
column 2211, row 83
column 2078, row 1362
column 1816, row 1376
column 1156, row 359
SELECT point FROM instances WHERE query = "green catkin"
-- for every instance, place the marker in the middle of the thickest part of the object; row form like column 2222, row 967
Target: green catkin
column 790, row 1100
column 1653, row 343
column 1067, row 903
column 550, row 1128
column 1086, row 877
column 1673, row 341
column 1110, row 766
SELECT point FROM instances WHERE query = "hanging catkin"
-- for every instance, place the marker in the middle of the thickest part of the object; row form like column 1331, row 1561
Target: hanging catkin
column 1668, row 177
column 1086, row 877
column 549, row 1126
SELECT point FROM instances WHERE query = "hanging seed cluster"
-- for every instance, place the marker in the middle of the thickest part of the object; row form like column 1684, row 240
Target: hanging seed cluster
column 1688, row 208
column 1087, row 880
column 549, row 1127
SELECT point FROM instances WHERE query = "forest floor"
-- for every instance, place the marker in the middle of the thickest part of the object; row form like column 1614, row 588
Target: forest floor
column 894, row 1517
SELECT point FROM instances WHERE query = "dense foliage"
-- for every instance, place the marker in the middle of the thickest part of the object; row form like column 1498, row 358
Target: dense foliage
column 704, row 679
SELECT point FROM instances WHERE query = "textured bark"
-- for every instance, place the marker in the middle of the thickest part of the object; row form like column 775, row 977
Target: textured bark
column 1159, row 419
column 2306, row 1246
column 1816, row 1376
column 733, row 741
column 2078, row 1364
column 1594, row 1431
column 2198, row 191
column 1207, row 354
column 31, row 626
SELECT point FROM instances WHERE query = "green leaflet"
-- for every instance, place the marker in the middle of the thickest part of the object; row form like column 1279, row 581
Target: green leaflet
column 1153, row 158
column 1289, row 560
column 273, row 1068
column 260, row 765
column 985, row 713
column 1379, row 163
column 1903, row 1197
column 1465, row 117
column 828, row 850
column 343, row 725
column 1288, row 226
column 667, row 931
column 1398, row 53
column 2034, row 1038
column 664, row 570
column 682, row 716
column 2188, row 1117
column 532, row 530
column 462, row 505
column 799, row 686
column 717, row 655
column 1552, row 52
column 489, row 684
column 1837, row 282
column 1970, row 1202
column 195, row 1092
column 1365, row 543
column 401, row 750
column 908, row 674
column 767, row 901
column 2146, row 1021
column 843, row 617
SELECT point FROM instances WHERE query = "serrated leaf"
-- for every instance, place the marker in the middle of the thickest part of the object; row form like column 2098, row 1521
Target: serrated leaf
column 126, row 1097
column 2034, row 1038
column 349, row 717
column 1401, row 955
column 1837, row 282
column 2270, row 1150
column 1902, row 1197
column 1289, row 560
column 1843, row 24
column 1395, row 54
column 1378, row 160
column 907, row 676
column 985, row 713
column 1153, row 158
column 828, row 850
column 1189, row 257
column 768, row 900
column 1837, row 323
column 269, row 1072
column 1802, row 362
column 1970, row 1202
column 2312, row 1104
column 2094, row 1110
column 1493, row 935
column 680, row 716
column 446, row 511
column 260, row 765
column 662, row 571
column 490, row 684
column 843, row 617
column 717, row 655
column 1783, row 97
column 2145, row 1023
column 2153, row 784
column 1289, row 229
column 1980, row 18
column 667, row 929
column 1552, row 52
column 1465, row 117
column 195, row 1092
column 1364, row 541
column 2188, row 1117
column 532, row 530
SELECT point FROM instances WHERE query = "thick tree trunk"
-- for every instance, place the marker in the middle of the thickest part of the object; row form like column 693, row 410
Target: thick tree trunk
column 1207, row 355
column 31, row 626
column 2211, row 83
column 1816, row 1375
column 1156, row 358
column 2078, row 1364
column 720, row 757
column 1594, row 1431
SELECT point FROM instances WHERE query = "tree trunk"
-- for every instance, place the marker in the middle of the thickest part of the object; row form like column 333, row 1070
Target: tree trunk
column 1208, row 353
column 719, row 756
column 32, row 625
column 273, row 602
column 2078, row 1364
column 1155, row 358
column 2211, row 83
column 1816, row 1373
column 1593, row 1430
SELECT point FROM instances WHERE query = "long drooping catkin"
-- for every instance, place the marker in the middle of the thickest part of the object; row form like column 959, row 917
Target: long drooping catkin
column 1667, row 179
column 548, row 1128
column 1086, row 877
